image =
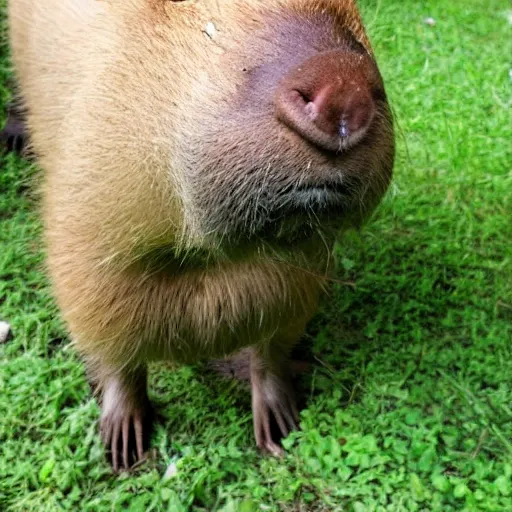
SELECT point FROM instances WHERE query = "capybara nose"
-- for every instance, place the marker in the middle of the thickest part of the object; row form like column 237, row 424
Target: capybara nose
column 328, row 99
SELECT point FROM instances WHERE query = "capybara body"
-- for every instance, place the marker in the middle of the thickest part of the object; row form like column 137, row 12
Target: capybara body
column 199, row 159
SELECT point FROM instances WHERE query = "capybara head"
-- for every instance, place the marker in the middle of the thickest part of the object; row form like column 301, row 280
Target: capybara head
column 270, row 116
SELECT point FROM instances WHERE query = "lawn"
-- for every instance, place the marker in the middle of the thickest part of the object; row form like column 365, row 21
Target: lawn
column 409, row 405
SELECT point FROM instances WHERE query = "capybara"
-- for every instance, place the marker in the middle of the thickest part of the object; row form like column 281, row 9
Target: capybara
column 199, row 158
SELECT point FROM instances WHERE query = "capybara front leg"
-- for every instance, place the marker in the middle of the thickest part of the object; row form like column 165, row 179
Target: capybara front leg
column 272, row 397
column 126, row 417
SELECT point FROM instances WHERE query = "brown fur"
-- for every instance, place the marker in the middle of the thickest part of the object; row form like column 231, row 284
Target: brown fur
column 145, row 124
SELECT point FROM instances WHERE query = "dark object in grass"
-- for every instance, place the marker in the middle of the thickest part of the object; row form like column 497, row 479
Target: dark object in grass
column 14, row 136
column 199, row 161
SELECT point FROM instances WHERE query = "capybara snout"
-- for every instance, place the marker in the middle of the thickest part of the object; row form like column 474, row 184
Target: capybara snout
column 199, row 158
column 302, row 130
column 328, row 100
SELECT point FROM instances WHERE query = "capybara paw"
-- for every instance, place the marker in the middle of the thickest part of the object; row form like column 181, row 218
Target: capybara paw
column 273, row 397
column 124, row 438
column 125, row 426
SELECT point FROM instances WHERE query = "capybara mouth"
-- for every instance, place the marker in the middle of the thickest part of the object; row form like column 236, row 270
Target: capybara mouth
column 299, row 212
column 321, row 196
column 313, row 202
column 291, row 209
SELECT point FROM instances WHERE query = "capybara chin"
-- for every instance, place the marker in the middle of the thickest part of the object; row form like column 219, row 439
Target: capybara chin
column 199, row 159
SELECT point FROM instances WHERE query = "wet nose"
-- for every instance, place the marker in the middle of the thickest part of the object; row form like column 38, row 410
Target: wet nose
column 328, row 99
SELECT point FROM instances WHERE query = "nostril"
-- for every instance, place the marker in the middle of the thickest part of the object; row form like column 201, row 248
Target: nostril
column 304, row 96
column 379, row 94
column 357, row 115
column 303, row 103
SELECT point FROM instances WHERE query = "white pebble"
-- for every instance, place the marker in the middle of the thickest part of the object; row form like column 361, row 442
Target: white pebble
column 429, row 21
column 5, row 332
column 171, row 471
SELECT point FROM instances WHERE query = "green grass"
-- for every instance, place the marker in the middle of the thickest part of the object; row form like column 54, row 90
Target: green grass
column 410, row 405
